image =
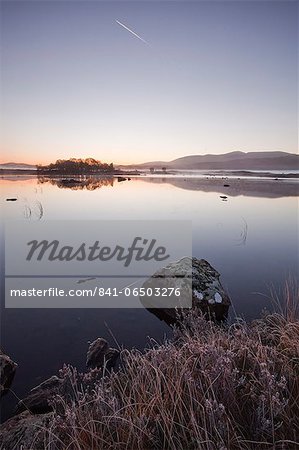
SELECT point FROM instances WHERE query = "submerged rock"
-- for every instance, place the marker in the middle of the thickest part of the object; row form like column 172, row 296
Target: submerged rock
column 196, row 278
column 7, row 372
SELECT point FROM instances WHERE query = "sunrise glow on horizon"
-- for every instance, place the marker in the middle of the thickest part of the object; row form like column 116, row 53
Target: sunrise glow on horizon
column 129, row 82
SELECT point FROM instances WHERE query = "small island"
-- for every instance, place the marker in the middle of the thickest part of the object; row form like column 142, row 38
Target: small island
column 74, row 166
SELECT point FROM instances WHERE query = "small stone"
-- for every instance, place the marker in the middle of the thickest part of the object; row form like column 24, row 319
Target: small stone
column 218, row 298
column 96, row 353
column 198, row 295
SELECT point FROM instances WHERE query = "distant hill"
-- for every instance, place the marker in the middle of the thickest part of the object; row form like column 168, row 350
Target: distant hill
column 12, row 165
column 229, row 161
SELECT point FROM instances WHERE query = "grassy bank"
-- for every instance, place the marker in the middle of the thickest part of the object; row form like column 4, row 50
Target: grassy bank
column 210, row 387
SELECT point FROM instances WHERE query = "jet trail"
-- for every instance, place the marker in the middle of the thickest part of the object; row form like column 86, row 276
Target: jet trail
column 130, row 31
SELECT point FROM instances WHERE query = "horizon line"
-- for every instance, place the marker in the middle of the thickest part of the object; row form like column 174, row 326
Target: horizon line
column 169, row 161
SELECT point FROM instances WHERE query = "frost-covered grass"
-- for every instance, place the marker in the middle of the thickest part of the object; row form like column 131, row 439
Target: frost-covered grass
column 210, row 387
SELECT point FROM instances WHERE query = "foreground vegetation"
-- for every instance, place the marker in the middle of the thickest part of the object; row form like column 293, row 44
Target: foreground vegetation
column 210, row 387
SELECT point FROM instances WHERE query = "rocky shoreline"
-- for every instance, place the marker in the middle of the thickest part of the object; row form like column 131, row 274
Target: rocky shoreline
column 36, row 408
column 208, row 297
column 240, row 379
column 236, row 384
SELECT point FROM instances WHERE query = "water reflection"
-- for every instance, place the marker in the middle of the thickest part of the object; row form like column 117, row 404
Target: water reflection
column 251, row 187
column 248, row 187
column 251, row 240
column 78, row 183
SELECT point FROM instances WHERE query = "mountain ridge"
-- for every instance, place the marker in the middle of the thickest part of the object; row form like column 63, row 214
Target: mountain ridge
column 13, row 165
column 233, row 160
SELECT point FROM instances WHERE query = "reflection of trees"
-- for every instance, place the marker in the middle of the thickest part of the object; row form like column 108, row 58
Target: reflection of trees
column 77, row 184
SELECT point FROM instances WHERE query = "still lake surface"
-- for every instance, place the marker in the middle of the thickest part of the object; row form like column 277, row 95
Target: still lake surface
column 251, row 239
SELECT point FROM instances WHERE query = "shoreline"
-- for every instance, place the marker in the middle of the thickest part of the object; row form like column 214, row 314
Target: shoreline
column 230, row 187
column 246, row 370
column 174, row 173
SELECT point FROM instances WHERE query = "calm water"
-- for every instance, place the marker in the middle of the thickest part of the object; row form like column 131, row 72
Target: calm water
column 251, row 240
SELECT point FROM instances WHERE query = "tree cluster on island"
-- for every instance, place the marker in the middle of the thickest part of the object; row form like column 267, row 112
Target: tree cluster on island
column 76, row 166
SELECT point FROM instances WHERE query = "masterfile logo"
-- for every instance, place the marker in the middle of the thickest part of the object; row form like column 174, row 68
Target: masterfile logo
column 45, row 261
column 140, row 250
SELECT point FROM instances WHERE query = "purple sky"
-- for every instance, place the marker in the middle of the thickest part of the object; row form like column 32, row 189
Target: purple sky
column 212, row 77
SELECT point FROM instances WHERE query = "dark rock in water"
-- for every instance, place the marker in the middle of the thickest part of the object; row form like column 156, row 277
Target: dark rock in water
column 40, row 398
column 111, row 357
column 37, row 401
column 99, row 354
column 7, row 372
column 226, row 185
column 11, row 199
column 24, row 431
column 70, row 181
column 96, row 353
column 202, row 281
column 119, row 179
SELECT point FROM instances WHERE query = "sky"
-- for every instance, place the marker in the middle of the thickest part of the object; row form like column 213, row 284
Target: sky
column 207, row 77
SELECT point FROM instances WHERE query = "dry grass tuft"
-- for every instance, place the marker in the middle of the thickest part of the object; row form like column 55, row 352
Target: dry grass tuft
column 210, row 388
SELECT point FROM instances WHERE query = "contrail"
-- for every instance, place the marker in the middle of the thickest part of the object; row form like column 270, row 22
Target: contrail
column 131, row 31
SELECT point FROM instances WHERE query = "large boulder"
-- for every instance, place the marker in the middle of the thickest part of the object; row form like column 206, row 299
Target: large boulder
column 7, row 372
column 198, row 281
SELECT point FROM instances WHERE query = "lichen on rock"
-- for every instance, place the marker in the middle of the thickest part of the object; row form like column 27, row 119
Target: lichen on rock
column 195, row 278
